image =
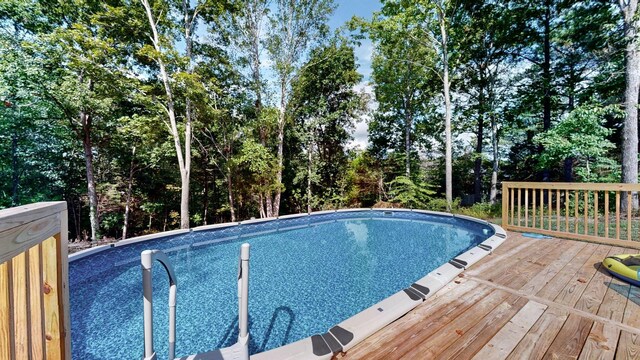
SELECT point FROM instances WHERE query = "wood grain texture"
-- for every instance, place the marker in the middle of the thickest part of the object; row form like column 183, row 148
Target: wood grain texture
column 576, row 225
column 18, row 216
column 36, row 308
column 20, row 301
column 472, row 340
column 6, row 321
column 509, row 336
column 629, row 344
column 497, row 313
column 22, row 237
column 53, row 335
column 62, row 241
column 536, row 342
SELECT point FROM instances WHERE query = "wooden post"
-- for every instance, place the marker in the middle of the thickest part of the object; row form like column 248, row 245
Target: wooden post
column 617, row 215
column 533, row 207
column 596, row 214
column 557, row 209
column 577, row 205
column 34, row 293
column 505, row 205
column 629, row 206
column 526, row 207
column 575, row 192
column 586, row 212
column 566, row 211
column 519, row 206
column 606, row 214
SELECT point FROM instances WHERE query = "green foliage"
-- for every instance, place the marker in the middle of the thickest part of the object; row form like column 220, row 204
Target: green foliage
column 410, row 194
column 583, row 138
column 484, row 211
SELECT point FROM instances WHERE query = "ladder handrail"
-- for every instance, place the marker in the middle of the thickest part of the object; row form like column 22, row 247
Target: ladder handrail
column 147, row 259
column 240, row 350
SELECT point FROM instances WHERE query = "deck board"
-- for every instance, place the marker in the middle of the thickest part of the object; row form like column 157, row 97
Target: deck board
column 529, row 299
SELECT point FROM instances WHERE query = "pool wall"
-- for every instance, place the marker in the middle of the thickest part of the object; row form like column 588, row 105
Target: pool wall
column 348, row 333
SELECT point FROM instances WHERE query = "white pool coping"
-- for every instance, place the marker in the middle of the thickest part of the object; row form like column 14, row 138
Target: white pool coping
column 369, row 321
column 365, row 323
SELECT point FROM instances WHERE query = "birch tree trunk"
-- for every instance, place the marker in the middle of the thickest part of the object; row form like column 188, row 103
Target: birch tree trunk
column 184, row 159
column 275, row 210
column 632, row 74
column 493, row 195
column 127, row 206
column 447, row 110
column 309, row 193
column 477, row 166
column 408, row 124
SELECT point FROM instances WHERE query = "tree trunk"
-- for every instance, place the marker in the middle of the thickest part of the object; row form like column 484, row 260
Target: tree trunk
column 408, row 124
column 230, row 191
column 263, row 213
column 496, row 160
column 86, row 120
column 546, row 78
column 281, row 120
column 632, row 72
column 205, row 201
column 184, row 161
column 127, row 207
column 309, row 159
column 477, row 168
column 447, row 112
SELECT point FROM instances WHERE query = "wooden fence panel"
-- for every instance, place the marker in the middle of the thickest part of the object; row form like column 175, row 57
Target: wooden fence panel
column 34, row 294
column 578, row 206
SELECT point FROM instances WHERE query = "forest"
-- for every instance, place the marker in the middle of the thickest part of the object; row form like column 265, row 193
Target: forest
column 152, row 115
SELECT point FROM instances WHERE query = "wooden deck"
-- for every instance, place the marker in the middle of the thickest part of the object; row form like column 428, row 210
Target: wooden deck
column 530, row 299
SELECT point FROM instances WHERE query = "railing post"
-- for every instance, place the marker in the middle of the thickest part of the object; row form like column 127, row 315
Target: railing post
column 505, row 205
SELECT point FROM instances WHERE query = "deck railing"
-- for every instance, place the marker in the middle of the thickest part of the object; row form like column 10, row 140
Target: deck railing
column 34, row 296
column 583, row 211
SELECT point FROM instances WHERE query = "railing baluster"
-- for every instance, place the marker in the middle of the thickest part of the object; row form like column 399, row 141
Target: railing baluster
column 586, row 212
column 533, row 208
column 617, row 215
column 511, row 198
column 550, row 207
column 606, row 214
column 505, row 204
column 557, row 209
column 519, row 207
column 575, row 216
column 541, row 209
column 566, row 210
column 526, row 207
column 595, row 213
column 629, row 208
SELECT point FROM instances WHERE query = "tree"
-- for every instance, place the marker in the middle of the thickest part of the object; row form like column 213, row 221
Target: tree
column 632, row 75
column 295, row 25
column 432, row 22
column 79, row 46
column 325, row 107
column 582, row 137
column 403, row 90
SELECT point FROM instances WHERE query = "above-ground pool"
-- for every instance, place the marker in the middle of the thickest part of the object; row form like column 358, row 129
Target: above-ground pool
column 307, row 274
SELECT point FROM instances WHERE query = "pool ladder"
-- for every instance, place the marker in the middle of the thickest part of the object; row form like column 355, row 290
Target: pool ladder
column 237, row 351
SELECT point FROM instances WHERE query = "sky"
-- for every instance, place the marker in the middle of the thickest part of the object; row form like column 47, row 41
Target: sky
column 346, row 10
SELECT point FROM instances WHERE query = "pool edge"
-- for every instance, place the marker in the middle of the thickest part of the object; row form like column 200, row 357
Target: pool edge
column 373, row 319
column 348, row 333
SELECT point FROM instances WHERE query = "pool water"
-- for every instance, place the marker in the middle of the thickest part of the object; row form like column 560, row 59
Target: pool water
column 302, row 281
